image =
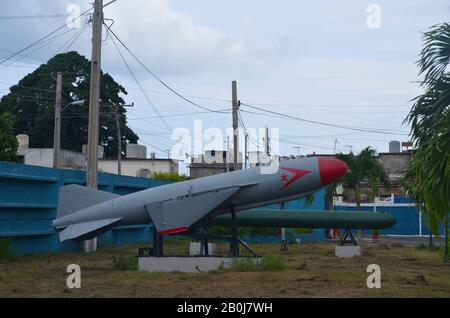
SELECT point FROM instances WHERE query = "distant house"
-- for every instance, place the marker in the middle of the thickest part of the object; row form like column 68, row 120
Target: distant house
column 212, row 162
column 135, row 165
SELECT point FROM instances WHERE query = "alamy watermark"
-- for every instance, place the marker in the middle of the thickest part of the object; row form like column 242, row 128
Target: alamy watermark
column 213, row 145
column 374, row 18
column 374, row 279
column 74, row 279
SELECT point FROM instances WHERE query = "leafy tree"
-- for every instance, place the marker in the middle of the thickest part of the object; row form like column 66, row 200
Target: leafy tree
column 363, row 167
column 169, row 176
column 32, row 100
column 428, row 176
column 8, row 141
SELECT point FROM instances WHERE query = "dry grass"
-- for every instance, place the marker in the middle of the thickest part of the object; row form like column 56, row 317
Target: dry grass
column 311, row 270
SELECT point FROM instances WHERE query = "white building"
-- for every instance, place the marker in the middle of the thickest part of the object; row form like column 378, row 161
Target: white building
column 136, row 165
column 139, row 167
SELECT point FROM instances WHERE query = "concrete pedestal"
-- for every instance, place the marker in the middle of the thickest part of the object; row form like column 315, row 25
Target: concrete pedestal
column 194, row 248
column 348, row 251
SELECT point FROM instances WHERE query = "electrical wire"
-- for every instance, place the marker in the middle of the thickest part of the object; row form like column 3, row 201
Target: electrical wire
column 280, row 115
column 41, row 39
column 157, row 78
column 139, row 84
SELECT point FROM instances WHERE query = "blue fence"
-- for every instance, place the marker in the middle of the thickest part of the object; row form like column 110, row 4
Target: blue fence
column 28, row 202
column 29, row 197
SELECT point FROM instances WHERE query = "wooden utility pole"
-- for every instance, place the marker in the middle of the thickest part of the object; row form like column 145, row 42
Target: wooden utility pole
column 119, row 142
column 235, row 125
column 57, row 129
column 94, row 96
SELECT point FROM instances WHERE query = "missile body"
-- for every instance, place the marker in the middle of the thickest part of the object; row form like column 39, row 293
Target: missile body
column 84, row 213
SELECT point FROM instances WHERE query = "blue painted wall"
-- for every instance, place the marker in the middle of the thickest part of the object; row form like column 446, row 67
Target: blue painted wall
column 29, row 197
column 28, row 202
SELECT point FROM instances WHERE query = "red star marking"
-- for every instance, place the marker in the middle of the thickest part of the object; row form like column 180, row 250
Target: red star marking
column 297, row 175
column 284, row 177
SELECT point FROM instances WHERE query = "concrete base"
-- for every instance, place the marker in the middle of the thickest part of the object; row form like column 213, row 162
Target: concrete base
column 184, row 264
column 348, row 251
column 194, row 248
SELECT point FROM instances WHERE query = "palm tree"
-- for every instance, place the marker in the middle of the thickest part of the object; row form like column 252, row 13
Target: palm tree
column 363, row 167
column 428, row 176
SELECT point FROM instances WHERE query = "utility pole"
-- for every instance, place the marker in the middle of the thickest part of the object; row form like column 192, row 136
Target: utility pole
column 227, row 164
column 119, row 142
column 335, row 143
column 266, row 142
column 57, row 129
column 246, row 150
column 94, row 96
column 235, row 125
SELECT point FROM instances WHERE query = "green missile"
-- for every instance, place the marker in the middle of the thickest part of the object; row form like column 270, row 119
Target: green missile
column 306, row 219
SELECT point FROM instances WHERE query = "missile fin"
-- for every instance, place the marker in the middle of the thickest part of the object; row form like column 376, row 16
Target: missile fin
column 75, row 197
column 177, row 215
column 86, row 230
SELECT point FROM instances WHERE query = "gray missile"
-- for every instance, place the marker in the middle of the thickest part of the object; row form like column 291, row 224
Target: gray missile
column 84, row 213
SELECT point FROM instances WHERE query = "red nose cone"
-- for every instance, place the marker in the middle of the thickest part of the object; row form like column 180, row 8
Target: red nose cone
column 331, row 169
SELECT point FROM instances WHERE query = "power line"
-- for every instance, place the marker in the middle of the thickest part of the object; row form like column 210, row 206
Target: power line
column 321, row 123
column 42, row 44
column 139, row 84
column 37, row 16
column 7, row 58
column 41, row 39
column 330, row 105
column 157, row 78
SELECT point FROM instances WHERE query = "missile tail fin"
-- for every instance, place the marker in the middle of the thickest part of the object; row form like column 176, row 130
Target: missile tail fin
column 87, row 230
column 73, row 198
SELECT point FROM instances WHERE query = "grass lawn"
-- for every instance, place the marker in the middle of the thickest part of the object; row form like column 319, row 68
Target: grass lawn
column 309, row 270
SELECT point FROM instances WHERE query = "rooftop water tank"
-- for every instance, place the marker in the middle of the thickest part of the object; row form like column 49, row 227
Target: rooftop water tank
column 394, row 146
column 23, row 140
column 135, row 151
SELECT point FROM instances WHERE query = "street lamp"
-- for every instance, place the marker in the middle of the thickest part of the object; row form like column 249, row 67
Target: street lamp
column 74, row 103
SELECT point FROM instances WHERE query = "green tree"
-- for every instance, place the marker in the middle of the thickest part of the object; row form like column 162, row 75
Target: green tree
column 169, row 176
column 8, row 141
column 428, row 176
column 363, row 168
column 32, row 100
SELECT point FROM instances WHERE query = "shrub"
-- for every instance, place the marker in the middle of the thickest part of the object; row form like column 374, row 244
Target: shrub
column 5, row 253
column 125, row 263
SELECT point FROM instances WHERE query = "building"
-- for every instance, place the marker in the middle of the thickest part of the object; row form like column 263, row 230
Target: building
column 139, row 167
column 43, row 157
column 213, row 162
column 135, row 165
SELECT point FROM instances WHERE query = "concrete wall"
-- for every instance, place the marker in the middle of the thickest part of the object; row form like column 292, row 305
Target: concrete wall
column 131, row 167
column 28, row 203
column 394, row 164
column 43, row 157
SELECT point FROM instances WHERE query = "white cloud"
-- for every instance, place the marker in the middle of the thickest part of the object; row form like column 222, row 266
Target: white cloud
column 173, row 44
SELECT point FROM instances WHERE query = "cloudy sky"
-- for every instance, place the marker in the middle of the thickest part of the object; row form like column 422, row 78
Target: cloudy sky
column 315, row 60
